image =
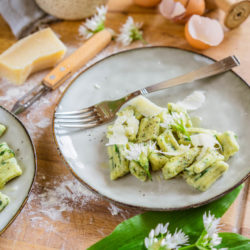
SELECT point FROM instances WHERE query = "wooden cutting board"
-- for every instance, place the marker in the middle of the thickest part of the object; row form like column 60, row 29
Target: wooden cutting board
column 60, row 213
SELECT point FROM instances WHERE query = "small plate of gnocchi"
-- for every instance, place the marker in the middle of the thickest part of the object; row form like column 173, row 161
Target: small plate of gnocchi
column 174, row 149
column 17, row 167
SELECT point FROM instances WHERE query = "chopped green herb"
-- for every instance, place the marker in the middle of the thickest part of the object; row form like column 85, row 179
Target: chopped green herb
column 179, row 126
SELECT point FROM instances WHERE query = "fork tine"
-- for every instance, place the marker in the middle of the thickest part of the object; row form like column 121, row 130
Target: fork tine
column 89, row 125
column 76, row 112
column 85, row 120
column 86, row 115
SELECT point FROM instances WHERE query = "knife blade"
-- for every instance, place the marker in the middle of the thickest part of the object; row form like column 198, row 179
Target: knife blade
column 64, row 70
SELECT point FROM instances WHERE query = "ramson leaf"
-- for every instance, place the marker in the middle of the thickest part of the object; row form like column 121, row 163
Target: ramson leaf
column 234, row 241
column 131, row 233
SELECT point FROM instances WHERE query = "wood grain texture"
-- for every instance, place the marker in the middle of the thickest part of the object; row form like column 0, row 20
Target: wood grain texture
column 82, row 224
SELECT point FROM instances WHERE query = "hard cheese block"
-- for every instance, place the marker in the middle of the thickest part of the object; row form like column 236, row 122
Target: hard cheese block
column 33, row 53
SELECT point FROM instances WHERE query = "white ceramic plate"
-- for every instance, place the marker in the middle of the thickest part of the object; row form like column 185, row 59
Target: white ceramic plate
column 18, row 189
column 227, row 107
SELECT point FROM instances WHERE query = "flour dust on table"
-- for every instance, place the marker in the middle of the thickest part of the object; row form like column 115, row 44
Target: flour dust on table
column 64, row 195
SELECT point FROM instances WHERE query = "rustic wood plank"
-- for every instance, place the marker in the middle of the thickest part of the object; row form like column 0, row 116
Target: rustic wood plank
column 245, row 216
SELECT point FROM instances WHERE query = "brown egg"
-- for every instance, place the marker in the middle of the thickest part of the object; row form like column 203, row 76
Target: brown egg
column 146, row 3
column 195, row 7
column 183, row 2
column 181, row 10
column 198, row 32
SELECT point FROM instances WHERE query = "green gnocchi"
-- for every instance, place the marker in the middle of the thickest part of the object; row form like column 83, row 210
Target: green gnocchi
column 9, row 168
column 163, row 139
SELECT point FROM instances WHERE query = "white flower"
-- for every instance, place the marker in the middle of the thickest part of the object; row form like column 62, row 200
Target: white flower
column 130, row 31
column 161, row 229
column 94, row 24
column 136, row 149
column 152, row 234
column 152, row 237
column 119, row 131
column 166, row 239
column 211, row 225
column 179, row 238
column 168, row 120
column 83, row 31
column 176, row 240
column 172, row 119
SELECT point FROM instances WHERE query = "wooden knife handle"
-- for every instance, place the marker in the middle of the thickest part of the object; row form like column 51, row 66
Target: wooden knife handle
column 77, row 59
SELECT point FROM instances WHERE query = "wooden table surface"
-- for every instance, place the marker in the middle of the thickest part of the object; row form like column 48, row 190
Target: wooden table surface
column 60, row 213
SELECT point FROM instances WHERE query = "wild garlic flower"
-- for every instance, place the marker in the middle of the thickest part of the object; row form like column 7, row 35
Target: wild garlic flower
column 161, row 238
column 136, row 149
column 211, row 237
column 130, row 31
column 176, row 240
column 172, row 119
column 118, row 133
column 211, row 224
column 168, row 120
column 94, row 24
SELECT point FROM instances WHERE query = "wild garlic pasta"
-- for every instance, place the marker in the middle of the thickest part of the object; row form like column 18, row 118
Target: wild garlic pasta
column 147, row 138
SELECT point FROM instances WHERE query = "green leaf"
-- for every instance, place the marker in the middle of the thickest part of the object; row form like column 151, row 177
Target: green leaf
column 131, row 233
column 201, row 240
column 180, row 126
column 234, row 241
column 143, row 161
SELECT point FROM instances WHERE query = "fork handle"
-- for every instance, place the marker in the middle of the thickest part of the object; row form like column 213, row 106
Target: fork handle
column 206, row 71
column 77, row 59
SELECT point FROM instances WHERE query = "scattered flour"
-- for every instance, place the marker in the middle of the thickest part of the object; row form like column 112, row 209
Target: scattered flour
column 65, row 196
column 53, row 202
column 114, row 210
column 43, row 123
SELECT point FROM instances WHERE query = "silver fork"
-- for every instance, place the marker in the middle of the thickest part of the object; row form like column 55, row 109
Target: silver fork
column 105, row 111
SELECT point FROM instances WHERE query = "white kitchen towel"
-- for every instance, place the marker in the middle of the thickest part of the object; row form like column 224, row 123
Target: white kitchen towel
column 23, row 16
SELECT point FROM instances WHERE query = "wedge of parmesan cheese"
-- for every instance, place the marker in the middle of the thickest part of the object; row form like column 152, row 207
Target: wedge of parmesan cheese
column 145, row 107
column 33, row 53
column 204, row 140
column 193, row 101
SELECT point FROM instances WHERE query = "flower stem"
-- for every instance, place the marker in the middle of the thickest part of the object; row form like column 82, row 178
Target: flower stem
column 189, row 247
column 200, row 242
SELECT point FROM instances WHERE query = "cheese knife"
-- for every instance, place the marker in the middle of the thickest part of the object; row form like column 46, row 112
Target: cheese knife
column 64, row 70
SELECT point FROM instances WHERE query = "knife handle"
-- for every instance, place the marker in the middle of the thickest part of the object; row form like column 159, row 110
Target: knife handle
column 77, row 59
